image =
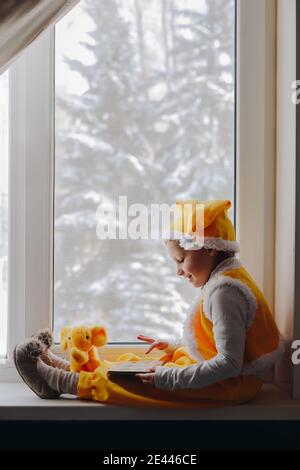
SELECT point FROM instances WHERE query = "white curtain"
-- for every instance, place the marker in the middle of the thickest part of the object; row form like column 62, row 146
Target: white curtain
column 21, row 21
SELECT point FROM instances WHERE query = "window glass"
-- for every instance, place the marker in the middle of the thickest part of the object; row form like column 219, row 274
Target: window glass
column 145, row 108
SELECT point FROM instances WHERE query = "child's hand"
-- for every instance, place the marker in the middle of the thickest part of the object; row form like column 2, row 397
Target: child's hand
column 155, row 343
column 147, row 378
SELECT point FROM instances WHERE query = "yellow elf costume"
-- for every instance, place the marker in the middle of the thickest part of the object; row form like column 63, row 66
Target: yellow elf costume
column 263, row 345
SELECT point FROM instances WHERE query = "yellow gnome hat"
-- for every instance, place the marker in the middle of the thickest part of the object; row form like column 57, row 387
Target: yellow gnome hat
column 203, row 224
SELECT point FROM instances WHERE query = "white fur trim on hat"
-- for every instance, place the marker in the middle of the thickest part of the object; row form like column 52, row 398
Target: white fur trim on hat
column 195, row 242
column 219, row 281
column 209, row 243
column 266, row 361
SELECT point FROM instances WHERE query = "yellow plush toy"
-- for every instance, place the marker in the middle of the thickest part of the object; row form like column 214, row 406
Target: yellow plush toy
column 81, row 342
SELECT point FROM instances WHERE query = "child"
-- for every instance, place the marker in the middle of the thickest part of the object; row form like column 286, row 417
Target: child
column 230, row 337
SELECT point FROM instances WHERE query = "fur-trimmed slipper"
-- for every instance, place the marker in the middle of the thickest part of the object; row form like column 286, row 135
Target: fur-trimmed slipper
column 26, row 356
column 46, row 337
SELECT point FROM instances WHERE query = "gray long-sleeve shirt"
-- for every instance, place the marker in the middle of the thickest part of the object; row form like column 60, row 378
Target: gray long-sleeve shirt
column 228, row 311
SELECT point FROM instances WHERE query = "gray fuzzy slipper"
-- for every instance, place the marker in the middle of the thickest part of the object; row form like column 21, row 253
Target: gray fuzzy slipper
column 46, row 337
column 26, row 356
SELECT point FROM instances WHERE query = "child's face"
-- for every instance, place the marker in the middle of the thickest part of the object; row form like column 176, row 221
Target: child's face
column 195, row 265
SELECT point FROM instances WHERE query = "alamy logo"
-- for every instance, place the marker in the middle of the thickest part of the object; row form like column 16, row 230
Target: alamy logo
column 155, row 221
column 296, row 93
column 296, row 354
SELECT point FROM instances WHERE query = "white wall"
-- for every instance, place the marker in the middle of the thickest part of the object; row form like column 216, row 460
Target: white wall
column 285, row 171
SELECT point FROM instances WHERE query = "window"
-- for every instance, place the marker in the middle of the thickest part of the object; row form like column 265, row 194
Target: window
column 4, row 106
column 47, row 251
column 144, row 107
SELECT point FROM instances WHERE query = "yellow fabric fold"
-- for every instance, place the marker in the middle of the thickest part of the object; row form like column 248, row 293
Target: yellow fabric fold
column 204, row 218
column 130, row 391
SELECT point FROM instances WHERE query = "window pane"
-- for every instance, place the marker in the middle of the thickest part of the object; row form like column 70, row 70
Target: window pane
column 144, row 108
column 3, row 210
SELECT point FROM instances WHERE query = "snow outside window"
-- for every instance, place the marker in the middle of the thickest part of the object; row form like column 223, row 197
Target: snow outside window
column 144, row 107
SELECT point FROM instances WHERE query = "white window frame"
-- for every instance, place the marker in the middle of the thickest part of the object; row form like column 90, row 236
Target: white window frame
column 287, row 252
column 31, row 192
column 256, row 150
column 30, row 189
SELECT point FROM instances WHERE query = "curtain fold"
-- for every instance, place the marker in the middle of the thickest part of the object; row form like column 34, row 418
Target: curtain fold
column 22, row 21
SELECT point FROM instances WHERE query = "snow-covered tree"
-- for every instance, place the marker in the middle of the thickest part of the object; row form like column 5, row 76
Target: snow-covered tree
column 155, row 124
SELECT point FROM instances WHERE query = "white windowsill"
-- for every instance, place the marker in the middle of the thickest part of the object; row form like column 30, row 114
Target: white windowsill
column 18, row 402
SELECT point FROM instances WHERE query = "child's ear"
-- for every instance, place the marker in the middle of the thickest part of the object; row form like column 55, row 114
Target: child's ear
column 99, row 335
